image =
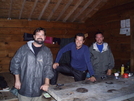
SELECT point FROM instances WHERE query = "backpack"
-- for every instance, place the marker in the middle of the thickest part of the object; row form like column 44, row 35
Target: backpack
column 3, row 83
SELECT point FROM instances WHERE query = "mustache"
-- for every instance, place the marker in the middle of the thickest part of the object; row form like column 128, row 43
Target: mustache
column 39, row 38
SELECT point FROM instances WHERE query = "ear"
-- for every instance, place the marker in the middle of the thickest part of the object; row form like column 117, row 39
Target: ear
column 34, row 36
column 83, row 41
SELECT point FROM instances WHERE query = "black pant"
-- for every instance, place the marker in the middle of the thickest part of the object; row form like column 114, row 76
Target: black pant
column 69, row 71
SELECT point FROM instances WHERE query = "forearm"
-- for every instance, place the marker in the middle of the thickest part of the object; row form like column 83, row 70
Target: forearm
column 17, row 78
column 47, row 81
column 17, row 82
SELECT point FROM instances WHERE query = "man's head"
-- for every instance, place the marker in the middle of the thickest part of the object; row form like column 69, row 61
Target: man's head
column 99, row 38
column 79, row 40
column 39, row 35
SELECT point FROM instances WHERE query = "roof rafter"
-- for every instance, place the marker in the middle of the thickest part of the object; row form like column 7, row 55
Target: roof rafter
column 10, row 9
column 85, row 6
column 35, row 3
column 92, row 8
column 53, row 10
column 75, row 7
column 67, row 5
column 22, row 8
column 48, row 1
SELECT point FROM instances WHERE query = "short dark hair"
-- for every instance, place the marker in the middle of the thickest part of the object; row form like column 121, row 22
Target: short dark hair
column 39, row 29
column 98, row 33
column 80, row 34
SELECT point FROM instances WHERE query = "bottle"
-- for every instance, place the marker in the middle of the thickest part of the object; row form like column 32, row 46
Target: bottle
column 122, row 69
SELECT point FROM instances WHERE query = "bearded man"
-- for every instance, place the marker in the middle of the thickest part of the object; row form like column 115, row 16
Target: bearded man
column 32, row 67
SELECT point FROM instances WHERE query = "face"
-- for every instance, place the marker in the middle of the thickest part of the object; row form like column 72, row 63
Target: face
column 99, row 38
column 79, row 41
column 39, row 37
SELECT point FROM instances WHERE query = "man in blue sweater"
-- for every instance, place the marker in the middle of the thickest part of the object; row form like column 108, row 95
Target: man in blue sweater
column 80, row 61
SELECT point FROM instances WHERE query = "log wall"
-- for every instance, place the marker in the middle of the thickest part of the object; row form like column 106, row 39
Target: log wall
column 11, row 36
column 107, row 20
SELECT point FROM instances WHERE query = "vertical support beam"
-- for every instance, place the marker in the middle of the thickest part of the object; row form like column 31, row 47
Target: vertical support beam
column 132, row 43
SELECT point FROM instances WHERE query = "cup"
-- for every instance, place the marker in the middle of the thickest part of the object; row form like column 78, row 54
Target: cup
column 125, row 75
column 116, row 75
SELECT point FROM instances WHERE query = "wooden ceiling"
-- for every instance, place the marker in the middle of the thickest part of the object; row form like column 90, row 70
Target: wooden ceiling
column 50, row 10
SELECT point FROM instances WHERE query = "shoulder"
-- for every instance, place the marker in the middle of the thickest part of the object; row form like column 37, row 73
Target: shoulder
column 85, row 47
column 45, row 48
column 23, row 47
column 106, row 45
column 70, row 44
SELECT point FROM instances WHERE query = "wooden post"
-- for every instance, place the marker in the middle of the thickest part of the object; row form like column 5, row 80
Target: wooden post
column 132, row 43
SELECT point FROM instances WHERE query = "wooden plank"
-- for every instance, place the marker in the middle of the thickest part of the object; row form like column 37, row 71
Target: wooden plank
column 4, row 68
column 74, row 8
column 5, row 60
column 35, row 3
column 42, row 12
column 9, row 13
column 115, row 10
column 85, row 6
column 53, row 10
column 64, row 9
column 22, row 9
column 132, row 43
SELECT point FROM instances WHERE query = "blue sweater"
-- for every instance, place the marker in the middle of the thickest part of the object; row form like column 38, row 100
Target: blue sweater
column 80, row 58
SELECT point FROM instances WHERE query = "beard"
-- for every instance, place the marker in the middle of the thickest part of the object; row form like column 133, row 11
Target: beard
column 39, row 41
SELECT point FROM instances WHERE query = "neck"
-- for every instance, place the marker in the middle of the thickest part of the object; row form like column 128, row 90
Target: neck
column 100, row 43
column 36, row 44
column 78, row 47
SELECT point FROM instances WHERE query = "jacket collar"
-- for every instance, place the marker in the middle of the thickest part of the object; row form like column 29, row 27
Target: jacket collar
column 105, row 47
column 29, row 43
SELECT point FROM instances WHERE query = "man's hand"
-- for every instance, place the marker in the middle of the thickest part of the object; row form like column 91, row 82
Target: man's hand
column 17, row 82
column 109, row 72
column 44, row 87
column 17, row 85
column 55, row 65
column 92, row 79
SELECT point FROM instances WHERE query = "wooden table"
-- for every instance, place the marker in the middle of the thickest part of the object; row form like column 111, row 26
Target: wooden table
column 105, row 90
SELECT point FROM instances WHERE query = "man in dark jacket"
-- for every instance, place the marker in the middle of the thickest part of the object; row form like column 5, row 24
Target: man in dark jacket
column 32, row 67
column 101, row 57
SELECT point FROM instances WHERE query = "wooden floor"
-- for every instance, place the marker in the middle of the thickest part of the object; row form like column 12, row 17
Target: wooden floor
column 8, row 96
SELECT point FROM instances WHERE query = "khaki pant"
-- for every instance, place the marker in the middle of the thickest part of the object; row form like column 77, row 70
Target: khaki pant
column 24, row 98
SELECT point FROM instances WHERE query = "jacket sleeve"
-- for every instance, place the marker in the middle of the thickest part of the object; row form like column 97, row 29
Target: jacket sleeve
column 15, row 62
column 63, row 50
column 111, row 60
column 91, row 55
column 49, row 71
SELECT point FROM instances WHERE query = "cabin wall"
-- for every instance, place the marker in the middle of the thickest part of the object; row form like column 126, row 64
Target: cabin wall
column 11, row 36
column 107, row 20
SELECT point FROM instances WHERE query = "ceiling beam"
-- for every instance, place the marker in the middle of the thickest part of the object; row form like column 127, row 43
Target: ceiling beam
column 84, row 7
column 10, row 9
column 22, row 8
column 48, row 1
column 74, row 8
column 89, row 11
column 53, row 10
column 67, row 5
column 35, row 3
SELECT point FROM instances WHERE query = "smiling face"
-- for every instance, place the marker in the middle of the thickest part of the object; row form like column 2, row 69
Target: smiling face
column 99, row 38
column 79, row 41
column 39, row 37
